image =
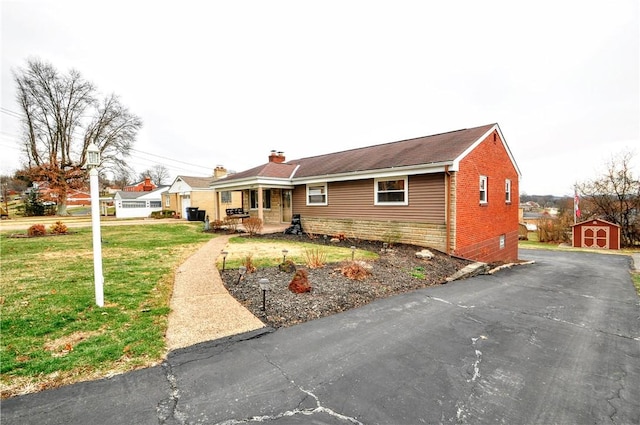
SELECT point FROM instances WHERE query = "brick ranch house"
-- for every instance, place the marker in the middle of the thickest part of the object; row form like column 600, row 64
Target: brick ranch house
column 456, row 192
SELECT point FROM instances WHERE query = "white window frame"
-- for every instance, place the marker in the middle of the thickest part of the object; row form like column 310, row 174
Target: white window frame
column 484, row 190
column 167, row 201
column 383, row 179
column 507, row 189
column 503, row 241
column 324, row 193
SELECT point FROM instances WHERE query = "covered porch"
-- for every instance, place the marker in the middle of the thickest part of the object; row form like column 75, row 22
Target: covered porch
column 270, row 203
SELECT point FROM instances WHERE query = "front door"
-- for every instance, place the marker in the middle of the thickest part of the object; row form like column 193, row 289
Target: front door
column 286, row 205
column 185, row 200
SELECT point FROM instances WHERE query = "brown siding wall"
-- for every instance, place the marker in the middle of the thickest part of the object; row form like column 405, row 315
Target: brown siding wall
column 351, row 211
column 354, row 200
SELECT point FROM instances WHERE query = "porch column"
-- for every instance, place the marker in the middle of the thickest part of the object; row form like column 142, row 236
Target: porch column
column 216, row 205
column 260, row 212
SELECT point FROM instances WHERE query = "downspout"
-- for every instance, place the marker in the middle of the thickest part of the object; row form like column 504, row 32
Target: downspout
column 447, row 202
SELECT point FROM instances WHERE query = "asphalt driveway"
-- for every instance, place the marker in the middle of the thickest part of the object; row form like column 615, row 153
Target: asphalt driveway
column 557, row 341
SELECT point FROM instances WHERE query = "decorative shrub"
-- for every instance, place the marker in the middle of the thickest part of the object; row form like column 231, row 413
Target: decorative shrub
column 340, row 236
column 58, row 228
column 216, row 225
column 37, row 230
column 247, row 261
column 300, row 282
column 253, row 225
column 316, row 258
column 354, row 271
column 231, row 224
column 287, row 267
column 163, row 214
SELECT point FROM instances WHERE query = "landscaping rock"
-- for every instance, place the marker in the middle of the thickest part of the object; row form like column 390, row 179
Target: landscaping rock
column 424, row 254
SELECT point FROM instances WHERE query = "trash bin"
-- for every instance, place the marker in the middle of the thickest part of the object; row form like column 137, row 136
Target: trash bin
column 192, row 213
column 201, row 215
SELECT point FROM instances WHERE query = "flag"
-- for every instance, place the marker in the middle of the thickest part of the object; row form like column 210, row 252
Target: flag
column 576, row 204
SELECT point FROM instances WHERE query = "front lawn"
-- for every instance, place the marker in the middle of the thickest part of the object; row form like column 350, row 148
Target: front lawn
column 52, row 331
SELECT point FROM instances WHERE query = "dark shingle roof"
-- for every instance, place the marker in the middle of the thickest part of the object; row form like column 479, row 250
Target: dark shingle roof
column 438, row 148
column 270, row 169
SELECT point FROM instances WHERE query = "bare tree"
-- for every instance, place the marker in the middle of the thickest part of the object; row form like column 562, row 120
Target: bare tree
column 158, row 174
column 615, row 197
column 62, row 117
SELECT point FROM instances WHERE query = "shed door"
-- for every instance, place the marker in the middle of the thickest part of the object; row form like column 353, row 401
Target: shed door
column 595, row 237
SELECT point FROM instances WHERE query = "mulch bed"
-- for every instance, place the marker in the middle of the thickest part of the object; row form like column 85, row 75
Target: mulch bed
column 397, row 270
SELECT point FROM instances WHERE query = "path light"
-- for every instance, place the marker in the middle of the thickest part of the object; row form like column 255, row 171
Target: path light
column 93, row 161
column 353, row 252
column 224, row 259
column 241, row 270
column 385, row 246
column 265, row 286
column 284, row 255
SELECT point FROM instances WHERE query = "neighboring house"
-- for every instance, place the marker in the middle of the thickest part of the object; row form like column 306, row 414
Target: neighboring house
column 78, row 198
column 187, row 191
column 138, row 204
column 144, row 186
column 456, row 192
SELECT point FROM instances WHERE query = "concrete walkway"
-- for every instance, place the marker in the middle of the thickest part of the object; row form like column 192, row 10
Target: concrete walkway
column 201, row 307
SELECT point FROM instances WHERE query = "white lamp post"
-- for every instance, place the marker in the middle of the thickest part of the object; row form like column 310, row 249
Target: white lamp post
column 93, row 161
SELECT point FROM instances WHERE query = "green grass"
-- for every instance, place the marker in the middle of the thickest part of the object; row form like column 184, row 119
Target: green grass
column 53, row 332
column 268, row 252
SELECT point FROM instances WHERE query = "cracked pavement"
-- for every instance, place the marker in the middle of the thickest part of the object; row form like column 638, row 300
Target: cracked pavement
column 557, row 341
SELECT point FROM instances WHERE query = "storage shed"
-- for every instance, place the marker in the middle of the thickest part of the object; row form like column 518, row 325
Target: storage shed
column 596, row 233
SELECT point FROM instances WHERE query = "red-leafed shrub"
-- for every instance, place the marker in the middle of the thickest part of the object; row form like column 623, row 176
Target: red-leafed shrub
column 37, row 230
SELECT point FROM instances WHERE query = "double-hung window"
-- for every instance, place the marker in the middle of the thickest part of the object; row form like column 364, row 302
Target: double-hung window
column 317, row 194
column 507, row 191
column 391, row 191
column 483, row 190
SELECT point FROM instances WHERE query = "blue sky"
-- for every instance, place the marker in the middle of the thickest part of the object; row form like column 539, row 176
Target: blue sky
column 223, row 83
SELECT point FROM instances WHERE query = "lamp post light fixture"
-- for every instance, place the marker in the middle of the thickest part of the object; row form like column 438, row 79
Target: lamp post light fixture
column 224, row 259
column 353, row 252
column 284, row 255
column 93, row 162
column 264, row 286
column 241, row 271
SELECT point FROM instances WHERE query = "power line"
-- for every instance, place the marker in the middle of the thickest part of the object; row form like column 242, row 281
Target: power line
column 10, row 112
column 170, row 159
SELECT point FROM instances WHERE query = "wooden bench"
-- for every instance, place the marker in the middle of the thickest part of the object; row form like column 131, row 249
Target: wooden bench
column 237, row 213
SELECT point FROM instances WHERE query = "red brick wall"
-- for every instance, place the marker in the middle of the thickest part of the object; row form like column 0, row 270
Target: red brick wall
column 479, row 226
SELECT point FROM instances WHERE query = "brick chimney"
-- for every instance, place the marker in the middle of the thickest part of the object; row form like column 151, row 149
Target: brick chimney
column 219, row 172
column 147, row 186
column 277, row 157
